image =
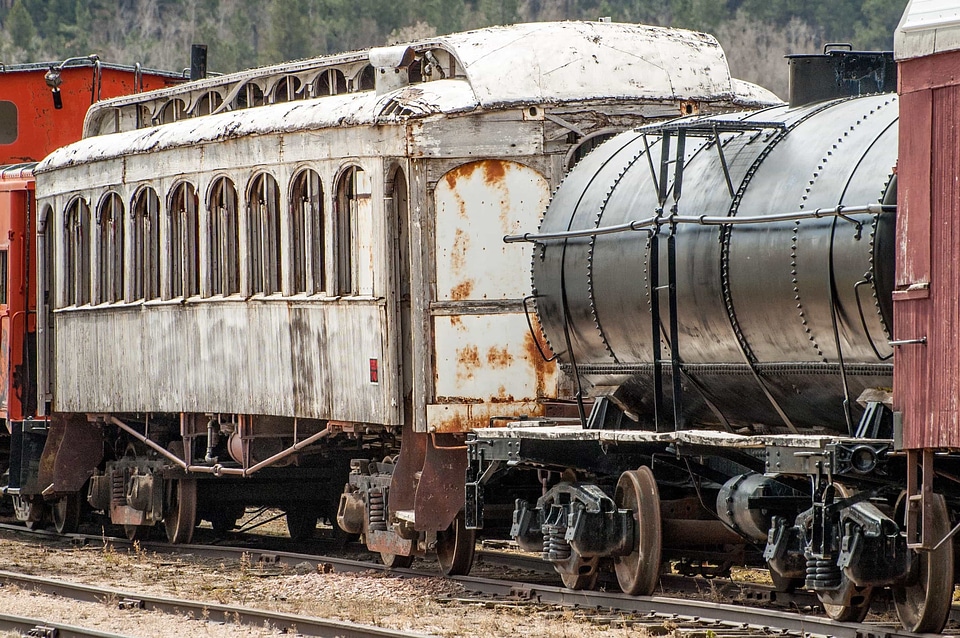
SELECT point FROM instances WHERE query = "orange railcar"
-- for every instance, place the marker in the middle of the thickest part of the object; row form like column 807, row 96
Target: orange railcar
column 42, row 107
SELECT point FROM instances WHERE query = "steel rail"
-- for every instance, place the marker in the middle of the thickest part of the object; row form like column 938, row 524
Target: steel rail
column 45, row 629
column 214, row 612
column 751, row 617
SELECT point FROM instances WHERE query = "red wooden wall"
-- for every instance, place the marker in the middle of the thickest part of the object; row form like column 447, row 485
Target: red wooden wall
column 927, row 296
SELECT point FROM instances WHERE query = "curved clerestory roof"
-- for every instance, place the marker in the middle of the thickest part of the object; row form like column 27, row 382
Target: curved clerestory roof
column 545, row 63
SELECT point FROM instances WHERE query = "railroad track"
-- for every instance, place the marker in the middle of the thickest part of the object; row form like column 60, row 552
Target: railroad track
column 719, row 618
column 214, row 612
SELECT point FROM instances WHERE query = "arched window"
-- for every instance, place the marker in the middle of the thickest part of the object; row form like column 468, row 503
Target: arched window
column 249, row 96
column 184, row 262
column 207, row 104
column 263, row 231
column 331, row 82
column 172, row 111
column 146, row 244
column 224, row 238
column 110, row 249
column 306, row 213
column 354, row 231
column 76, row 253
column 286, row 89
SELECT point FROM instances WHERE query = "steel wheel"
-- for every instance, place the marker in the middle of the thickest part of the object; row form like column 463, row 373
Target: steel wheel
column 455, row 548
column 66, row 513
column 860, row 597
column 639, row 571
column 396, row 561
column 856, row 610
column 924, row 605
column 580, row 582
column 137, row 532
column 301, row 523
column 180, row 517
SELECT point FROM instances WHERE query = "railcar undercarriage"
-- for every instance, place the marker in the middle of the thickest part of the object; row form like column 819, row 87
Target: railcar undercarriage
column 821, row 512
column 141, row 470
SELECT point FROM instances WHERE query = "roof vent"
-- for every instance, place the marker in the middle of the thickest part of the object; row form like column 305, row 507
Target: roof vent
column 840, row 72
column 392, row 65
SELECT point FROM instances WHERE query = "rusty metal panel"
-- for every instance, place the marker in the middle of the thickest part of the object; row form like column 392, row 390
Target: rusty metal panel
column 489, row 358
column 476, row 205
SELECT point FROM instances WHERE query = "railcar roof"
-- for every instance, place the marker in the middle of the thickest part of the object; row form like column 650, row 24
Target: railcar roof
column 927, row 27
column 497, row 67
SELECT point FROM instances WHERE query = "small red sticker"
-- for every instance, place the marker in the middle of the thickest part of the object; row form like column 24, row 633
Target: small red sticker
column 374, row 371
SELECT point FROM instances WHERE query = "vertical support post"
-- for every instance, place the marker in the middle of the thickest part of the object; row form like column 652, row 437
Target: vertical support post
column 917, row 508
column 672, row 290
column 655, row 327
column 655, row 283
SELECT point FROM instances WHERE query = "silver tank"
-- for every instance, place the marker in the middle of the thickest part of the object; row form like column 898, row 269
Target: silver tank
column 765, row 311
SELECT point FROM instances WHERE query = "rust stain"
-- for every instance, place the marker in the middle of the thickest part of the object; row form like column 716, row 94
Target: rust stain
column 462, row 290
column 493, row 172
column 457, row 322
column 458, row 252
column 468, row 360
column 499, row 357
column 464, row 171
column 542, row 370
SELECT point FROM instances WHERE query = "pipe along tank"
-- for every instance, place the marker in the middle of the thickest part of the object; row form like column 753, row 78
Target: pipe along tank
column 772, row 324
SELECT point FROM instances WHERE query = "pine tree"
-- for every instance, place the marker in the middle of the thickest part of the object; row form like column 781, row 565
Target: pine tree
column 20, row 26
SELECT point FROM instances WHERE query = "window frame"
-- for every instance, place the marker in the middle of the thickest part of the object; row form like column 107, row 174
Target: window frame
column 264, row 249
column 223, row 246
column 307, row 229
column 183, row 224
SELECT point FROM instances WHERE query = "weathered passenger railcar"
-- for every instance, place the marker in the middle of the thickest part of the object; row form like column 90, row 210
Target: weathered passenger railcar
column 254, row 278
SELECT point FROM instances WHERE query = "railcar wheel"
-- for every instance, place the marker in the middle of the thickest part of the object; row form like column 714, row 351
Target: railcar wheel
column 455, row 548
column 856, row 610
column 301, row 524
column 181, row 516
column 924, row 605
column 580, row 582
column 137, row 532
column 396, row 561
column 66, row 513
column 639, row 571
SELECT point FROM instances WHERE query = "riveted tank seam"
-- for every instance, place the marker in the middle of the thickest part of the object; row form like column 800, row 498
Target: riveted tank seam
column 593, row 240
column 542, row 247
column 726, row 232
column 796, row 230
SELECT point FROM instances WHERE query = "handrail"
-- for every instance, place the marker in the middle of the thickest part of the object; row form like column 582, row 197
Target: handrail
column 646, row 224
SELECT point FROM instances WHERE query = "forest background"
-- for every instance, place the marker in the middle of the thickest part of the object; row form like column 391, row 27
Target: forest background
column 240, row 34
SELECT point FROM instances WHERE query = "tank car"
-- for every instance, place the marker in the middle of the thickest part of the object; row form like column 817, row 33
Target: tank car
column 258, row 285
column 720, row 288
column 42, row 107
